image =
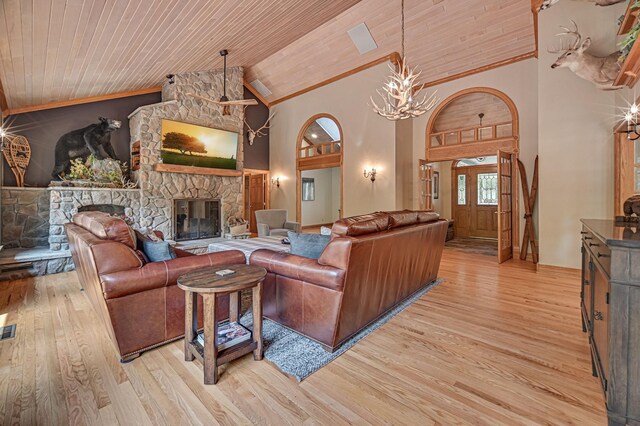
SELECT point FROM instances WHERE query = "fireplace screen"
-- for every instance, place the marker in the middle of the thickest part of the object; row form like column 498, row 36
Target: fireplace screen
column 195, row 219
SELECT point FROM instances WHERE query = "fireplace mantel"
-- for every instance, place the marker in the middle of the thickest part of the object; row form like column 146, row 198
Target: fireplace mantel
column 191, row 170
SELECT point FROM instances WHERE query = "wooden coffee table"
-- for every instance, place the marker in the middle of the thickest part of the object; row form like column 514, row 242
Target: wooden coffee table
column 209, row 285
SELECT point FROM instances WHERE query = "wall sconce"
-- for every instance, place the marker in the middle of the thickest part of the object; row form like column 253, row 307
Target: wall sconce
column 275, row 181
column 370, row 174
column 633, row 127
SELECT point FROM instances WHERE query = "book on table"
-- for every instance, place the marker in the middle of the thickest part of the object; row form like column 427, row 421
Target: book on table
column 229, row 334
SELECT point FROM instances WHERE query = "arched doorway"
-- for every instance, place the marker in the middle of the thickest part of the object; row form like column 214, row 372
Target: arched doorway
column 479, row 122
column 319, row 174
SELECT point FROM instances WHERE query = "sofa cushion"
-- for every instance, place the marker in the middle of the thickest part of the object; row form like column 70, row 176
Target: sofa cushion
column 308, row 245
column 361, row 225
column 426, row 216
column 106, row 227
column 401, row 218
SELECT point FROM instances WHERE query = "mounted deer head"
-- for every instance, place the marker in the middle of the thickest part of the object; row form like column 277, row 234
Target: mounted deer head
column 600, row 71
column 546, row 4
column 252, row 134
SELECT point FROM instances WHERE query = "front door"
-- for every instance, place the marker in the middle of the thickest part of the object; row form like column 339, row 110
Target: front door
column 257, row 198
column 505, row 203
column 475, row 204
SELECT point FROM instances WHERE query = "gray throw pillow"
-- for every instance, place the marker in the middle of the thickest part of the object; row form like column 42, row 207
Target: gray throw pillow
column 308, row 245
column 158, row 251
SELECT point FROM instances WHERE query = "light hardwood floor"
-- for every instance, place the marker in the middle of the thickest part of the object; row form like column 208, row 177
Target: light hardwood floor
column 491, row 345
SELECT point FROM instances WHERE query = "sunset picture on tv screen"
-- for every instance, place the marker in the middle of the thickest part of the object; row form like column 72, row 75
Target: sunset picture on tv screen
column 190, row 145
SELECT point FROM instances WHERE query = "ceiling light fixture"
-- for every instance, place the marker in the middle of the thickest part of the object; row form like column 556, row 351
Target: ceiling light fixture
column 313, row 135
column 397, row 92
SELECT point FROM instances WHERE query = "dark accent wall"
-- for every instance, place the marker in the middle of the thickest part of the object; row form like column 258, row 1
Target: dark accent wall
column 256, row 156
column 44, row 128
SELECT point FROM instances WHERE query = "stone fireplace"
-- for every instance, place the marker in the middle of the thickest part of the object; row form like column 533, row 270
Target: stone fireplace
column 196, row 219
column 152, row 204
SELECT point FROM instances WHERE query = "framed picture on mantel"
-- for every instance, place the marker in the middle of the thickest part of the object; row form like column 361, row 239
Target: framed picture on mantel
column 186, row 144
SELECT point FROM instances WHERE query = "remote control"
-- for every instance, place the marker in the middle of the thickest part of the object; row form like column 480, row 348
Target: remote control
column 225, row 272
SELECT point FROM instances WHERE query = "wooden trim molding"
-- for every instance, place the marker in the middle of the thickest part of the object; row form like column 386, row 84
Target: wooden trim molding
column 319, row 166
column 4, row 106
column 191, row 170
column 255, row 93
column 533, row 54
column 393, row 57
column 80, row 101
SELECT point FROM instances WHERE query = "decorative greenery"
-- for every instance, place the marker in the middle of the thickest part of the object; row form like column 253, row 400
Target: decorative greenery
column 98, row 176
column 627, row 43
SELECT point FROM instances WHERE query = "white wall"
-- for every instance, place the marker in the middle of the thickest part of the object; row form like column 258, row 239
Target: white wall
column 443, row 204
column 324, row 209
column 519, row 82
column 575, row 129
column 368, row 140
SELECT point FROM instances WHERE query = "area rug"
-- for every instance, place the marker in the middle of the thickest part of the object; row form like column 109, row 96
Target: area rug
column 299, row 356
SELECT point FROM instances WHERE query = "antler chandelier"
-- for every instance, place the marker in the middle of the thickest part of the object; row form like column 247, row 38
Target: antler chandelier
column 397, row 92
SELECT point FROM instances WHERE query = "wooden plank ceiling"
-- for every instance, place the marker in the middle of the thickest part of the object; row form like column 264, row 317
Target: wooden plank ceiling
column 53, row 50
column 443, row 38
column 463, row 112
column 56, row 50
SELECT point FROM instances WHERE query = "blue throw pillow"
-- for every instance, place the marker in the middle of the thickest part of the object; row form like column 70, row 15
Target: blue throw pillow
column 308, row 245
column 158, row 251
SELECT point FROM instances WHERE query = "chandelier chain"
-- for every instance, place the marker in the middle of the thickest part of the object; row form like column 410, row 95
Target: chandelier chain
column 402, row 15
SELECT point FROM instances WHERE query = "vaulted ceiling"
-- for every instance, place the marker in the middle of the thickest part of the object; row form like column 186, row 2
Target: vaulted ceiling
column 56, row 50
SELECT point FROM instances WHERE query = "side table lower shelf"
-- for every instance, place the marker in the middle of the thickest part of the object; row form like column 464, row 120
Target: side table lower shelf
column 226, row 355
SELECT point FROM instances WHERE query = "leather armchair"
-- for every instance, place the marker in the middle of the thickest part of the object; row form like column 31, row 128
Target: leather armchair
column 274, row 223
column 372, row 264
column 139, row 303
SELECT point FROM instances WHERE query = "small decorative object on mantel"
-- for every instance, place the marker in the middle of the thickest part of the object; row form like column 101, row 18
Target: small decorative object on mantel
column 81, row 143
column 107, row 173
column 601, row 71
column 17, row 153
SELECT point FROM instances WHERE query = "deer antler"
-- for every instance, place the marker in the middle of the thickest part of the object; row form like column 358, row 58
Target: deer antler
column 574, row 32
column 266, row 125
column 251, row 134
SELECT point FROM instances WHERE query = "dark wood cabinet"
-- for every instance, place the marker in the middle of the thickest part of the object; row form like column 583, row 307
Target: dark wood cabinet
column 610, row 306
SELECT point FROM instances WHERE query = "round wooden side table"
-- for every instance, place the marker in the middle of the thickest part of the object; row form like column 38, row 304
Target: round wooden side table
column 209, row 285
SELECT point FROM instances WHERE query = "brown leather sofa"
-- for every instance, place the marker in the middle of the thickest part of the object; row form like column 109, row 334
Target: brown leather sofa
column 372, row 263
column 138, row 302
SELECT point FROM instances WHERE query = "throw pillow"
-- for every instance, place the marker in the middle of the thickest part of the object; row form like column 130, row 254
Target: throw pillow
column 325, row 230
column 308, row 245
column 154, row 248
column 158, row 251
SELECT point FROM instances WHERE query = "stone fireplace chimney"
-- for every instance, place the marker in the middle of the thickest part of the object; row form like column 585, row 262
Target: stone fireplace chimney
column 158, row 190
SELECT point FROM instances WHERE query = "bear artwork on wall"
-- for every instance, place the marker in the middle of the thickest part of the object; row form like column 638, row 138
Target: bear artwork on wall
column 82, row 143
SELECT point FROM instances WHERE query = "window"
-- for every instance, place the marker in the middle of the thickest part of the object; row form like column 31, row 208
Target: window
column 462, row 190
column 308, row 189
column 487, row 189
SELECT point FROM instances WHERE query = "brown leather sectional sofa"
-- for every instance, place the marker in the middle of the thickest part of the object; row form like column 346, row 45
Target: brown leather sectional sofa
column 139, row 303
column 372, row 263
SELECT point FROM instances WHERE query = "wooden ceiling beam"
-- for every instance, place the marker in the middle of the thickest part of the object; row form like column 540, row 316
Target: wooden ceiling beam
column 79, row 101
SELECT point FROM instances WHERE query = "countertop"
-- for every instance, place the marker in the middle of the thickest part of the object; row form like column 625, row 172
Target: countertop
column 615, row 234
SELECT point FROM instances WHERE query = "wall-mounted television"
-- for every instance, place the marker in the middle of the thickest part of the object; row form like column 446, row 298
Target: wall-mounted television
column 197, row 146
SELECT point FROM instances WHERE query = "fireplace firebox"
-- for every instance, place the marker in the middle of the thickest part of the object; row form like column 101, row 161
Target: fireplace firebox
column 196, row 219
